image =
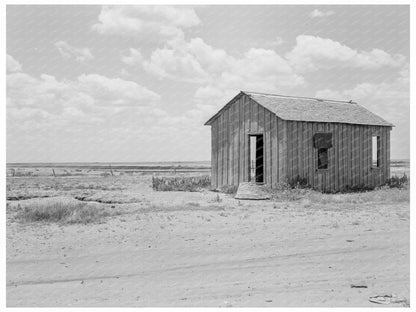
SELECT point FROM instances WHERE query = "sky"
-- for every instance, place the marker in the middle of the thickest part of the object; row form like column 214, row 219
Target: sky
column 137, row 83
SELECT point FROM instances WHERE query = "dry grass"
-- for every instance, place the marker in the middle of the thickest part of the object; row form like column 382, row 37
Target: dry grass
column 229, row 189
column 61, row 211
column 186, row 184
column 190, row 206
column 381, row 195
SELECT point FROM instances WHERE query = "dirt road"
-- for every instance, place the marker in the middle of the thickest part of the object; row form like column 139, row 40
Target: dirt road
column 217, row 254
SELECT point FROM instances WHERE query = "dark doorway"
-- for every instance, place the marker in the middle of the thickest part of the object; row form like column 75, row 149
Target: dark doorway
column 256, row 158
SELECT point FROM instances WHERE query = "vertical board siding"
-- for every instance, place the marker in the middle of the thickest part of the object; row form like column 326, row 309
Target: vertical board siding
column 388, row 152
column 274, row 151
column 253, row 116
column 311, row 166
column 349, row 159
column 386, row 163
column 236, row 154
column 247, row 112
column 336, row 168
column 242, row 155
column 220, row 149
column 268, row 147
column 214, row 153
column 305, row 150
column 365, row 155
column 230, row 159
column 342, row 169
column 225, row 146
column 300, row 149
column 282, row 133
column 289, row 151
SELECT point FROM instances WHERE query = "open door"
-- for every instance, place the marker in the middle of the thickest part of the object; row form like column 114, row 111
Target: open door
column 256, row 158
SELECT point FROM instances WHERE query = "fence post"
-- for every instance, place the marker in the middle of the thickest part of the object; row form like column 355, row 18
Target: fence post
column 111, row 170
column 53, row 171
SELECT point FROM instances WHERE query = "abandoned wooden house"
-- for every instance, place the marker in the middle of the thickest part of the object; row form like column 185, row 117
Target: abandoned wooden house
column 270, row 139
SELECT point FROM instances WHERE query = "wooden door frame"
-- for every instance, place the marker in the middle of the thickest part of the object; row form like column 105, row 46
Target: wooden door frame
column 256, row 134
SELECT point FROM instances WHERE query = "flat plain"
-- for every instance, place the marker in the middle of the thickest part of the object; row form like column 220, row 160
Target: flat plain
column 142, row 247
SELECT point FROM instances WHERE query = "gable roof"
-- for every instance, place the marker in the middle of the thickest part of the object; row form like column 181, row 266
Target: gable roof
column 311, row 109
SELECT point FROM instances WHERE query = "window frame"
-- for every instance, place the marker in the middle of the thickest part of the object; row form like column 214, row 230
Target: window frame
column 378, row 151
column 317, row 159
column 317, row 169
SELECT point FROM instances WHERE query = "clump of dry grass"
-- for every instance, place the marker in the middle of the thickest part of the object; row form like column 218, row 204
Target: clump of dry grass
column 92, row 186
column 385, row 194
column 228, row 189
column 60, row 210
column 398, row 182
column 286, row 191
column 380, row 195
column 186, row 184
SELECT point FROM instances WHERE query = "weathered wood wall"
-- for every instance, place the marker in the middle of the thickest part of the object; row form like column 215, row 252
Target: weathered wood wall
column 349, row 159
column 289, row 151
column 230, row 143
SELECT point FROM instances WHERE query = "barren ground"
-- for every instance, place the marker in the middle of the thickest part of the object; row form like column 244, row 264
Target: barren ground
column 205, row 248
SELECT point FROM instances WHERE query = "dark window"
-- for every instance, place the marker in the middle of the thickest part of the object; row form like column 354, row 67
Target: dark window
column 322, row 140
column 322, row 158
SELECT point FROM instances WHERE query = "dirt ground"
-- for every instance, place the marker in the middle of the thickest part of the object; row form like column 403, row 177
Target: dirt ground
column 206, row 248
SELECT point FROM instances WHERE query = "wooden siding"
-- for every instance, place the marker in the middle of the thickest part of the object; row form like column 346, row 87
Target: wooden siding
column 289, row 151
column 349, row 159
column 230, row 143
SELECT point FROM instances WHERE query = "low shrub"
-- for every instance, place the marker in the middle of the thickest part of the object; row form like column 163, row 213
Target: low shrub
column 354, row 189
column 398, row 182
column 65, row 211
column 228, row 189
column 285, row 192
column 299, row 182
column 186, row 184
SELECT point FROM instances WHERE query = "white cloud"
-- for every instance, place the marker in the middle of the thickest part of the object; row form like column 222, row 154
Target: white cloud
column 317, row 13
column 199, row 62
column 115, row 91
column 396, row 89
column 79, row 54
column 90, row 93
column 133, row 58
column 12, row 65
column 69, row 116
column 389, row 99
column 221, row 75
column 257, row 70
column 192, row 61
column 312, row 53
column 175, row 64
column 166, row 21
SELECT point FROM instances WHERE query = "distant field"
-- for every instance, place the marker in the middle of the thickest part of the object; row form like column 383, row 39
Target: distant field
column 103, row 169
column 398, row 167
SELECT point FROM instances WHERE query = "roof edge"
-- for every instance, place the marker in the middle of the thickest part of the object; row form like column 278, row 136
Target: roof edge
column 299, row 97
column 209, row 121
column 387, row 124
column 247, row 93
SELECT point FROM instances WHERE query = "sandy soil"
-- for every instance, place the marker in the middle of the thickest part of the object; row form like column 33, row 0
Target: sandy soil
column 198, row 249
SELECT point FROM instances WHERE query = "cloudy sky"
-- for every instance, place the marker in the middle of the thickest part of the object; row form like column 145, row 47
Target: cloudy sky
column 108, row 84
